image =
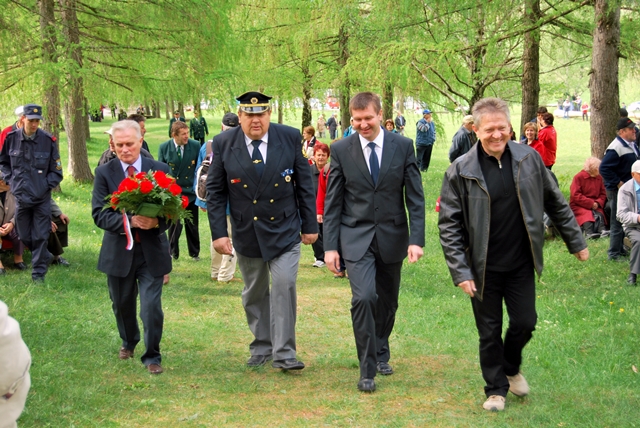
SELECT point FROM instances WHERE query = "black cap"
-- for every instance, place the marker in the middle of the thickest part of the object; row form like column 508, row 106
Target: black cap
column 32, row 111
column 254, row 102
column 625, row 122
column 230, row 120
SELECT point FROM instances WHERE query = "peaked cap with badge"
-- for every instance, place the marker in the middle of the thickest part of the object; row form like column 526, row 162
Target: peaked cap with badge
column 254, row 102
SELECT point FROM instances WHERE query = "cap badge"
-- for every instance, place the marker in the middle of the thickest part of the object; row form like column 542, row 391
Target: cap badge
column 254, row 100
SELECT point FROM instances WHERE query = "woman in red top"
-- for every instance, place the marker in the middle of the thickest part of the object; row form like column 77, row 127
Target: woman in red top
column 547, row 136
column 588, row 196
column 531, row 132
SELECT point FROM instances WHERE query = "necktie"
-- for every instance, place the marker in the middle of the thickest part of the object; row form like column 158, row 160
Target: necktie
column 179, row 152
column 374, row 165
column 131, row 171
column 256, row 157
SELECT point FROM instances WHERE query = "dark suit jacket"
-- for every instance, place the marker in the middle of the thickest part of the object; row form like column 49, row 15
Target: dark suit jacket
column 183, row 170
column 171, row 122
column 266, row 213
column 114, row 259
column 356, row 210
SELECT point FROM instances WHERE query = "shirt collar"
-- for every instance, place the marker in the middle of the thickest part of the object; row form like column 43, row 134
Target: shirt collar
column 137, row 165
column 247, row 140
column 378, row 140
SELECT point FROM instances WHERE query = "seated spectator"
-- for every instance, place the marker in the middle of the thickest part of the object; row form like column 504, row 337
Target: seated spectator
column 588, row 198
column 8, row 231
column 628, row 215
column 15, row 361
column 390, row 126
column 59, row 237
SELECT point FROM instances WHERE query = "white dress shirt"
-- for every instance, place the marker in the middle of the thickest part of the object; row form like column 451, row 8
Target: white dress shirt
column 367, row 151
column 262, row 147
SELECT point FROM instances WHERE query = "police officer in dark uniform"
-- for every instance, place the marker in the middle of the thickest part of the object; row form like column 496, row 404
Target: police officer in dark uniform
column 198, row 128
column 30, row 162
column 176, row 117
column 259, row 169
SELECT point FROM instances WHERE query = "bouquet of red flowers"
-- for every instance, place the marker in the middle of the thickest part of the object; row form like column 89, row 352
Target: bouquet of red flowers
column 150, row 194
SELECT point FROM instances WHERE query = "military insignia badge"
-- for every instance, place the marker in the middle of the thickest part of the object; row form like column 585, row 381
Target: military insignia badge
column 287, row 174
column 235, row 180
column 287, row 178
column 254, row 100
column 257, row 161
column 35, row 110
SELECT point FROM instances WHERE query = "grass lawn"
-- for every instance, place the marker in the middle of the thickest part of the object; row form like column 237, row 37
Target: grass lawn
column 580, row 364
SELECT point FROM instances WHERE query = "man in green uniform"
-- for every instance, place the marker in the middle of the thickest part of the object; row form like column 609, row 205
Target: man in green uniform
column 198, row 128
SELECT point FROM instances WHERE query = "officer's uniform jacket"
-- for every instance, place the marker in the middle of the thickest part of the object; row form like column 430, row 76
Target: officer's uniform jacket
column 172, row 121
column 198, row 128
column 267, row 214
column 31, row 167
column 183, row 170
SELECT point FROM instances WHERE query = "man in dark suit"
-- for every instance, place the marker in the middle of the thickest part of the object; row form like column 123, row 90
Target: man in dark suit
column 259, row 169
column 332, row 124
column 374, row 182
column 143, row 267
column 181, row 154
column 176, row 118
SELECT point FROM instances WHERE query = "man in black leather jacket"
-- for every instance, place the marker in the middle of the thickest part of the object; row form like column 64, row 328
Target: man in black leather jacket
column 492, row 234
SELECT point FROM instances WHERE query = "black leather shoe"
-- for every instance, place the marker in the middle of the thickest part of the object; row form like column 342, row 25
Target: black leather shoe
column 632, row 279
column 289, row 364
column 38, row 279
column 20, row 266
column 60, row 261
column 384, row 368
column 195, row 258
column 258, row 360
column 366, row 385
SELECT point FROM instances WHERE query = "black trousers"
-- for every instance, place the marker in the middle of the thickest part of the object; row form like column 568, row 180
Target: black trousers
column 423, row 156
column 34, row 225
column 193, row 236
column 318, row 246
column 500, row 359
column 374, row 302
column 124, row 296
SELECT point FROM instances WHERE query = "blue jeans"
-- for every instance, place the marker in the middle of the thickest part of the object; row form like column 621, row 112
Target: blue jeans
column 617, row 234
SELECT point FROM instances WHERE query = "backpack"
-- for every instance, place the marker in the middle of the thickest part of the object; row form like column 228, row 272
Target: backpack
column 201, row 173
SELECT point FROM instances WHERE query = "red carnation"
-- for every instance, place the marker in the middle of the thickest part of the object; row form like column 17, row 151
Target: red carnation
column 185, row 202
column 175, row 189
column 146, row 187
column 162, row 179
column 141, row 175
column 128, row 184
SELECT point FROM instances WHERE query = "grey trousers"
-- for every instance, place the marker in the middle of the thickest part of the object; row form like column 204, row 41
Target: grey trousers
column 634, row 262
column 271, row 314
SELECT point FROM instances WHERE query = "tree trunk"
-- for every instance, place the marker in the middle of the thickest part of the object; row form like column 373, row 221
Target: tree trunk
column 306, row 96
column 280, row 112
column 401, row 100
column 196, row 107
column 345, row 87
column 51, row 98
column 85, row 122
column 181, row 109
column 530, row 64
column 75, row 117
column 166, row 109
column 147, row 111
column 387, row 101
column 603, row 82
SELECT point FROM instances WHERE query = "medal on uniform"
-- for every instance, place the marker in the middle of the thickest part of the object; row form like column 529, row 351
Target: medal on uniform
column 287, row 174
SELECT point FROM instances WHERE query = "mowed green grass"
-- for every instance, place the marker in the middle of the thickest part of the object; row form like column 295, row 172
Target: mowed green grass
column 580, row 363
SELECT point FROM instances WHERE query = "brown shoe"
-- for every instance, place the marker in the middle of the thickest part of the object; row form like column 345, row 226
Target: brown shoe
column 155, row 368
column 125, row 353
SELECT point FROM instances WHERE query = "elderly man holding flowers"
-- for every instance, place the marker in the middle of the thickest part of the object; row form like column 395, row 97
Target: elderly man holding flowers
column 133, row 202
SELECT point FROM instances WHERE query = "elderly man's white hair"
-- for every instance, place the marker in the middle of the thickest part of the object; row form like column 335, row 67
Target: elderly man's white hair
column 126, row 124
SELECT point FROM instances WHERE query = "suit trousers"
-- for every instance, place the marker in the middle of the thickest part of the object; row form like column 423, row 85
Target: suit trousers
column 124, row 296
column 423, row 156
column 634, row 262
column 616, row 236
column 271, row 315
column 34, row 225
column 58, row 239
column 374, row 288
column 318, row 246
column 500, row 359
column 223, row 267
column 193, row 236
